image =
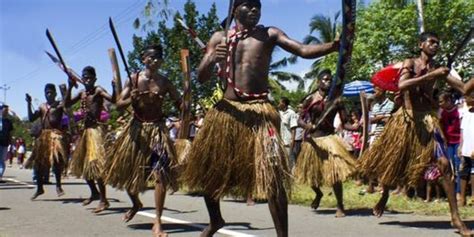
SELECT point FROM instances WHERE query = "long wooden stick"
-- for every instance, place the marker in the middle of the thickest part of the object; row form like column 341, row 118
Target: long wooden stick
column 228, row 20
column 116, row 73
column 119, row 46
column 186, row 110
column 56, row 49
column 365, row 122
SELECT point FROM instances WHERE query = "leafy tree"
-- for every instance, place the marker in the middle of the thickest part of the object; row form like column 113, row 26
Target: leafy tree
column 387, row 33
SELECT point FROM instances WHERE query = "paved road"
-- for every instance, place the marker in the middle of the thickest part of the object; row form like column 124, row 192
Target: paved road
column 184, row 216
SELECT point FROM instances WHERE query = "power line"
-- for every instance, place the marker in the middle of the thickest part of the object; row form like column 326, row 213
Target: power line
column 5, row 88
column 97, row 34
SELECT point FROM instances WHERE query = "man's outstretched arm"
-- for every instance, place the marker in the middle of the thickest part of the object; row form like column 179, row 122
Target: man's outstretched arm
column 308, row 51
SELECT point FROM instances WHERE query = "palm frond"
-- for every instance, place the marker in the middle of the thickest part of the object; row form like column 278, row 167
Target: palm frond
column 309, row 39
column 286, row 76
column 278, row 64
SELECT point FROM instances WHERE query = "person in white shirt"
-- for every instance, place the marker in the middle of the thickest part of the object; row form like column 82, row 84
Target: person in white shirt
column 289, row 122
column 467, row 147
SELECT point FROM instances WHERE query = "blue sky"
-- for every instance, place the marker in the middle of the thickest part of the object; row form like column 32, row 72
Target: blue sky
column 82, row 34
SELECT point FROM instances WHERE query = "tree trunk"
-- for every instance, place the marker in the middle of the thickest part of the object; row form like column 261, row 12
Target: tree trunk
column 421, row 23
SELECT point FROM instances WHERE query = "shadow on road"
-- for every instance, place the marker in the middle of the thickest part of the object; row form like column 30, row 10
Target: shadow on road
column 173, row 228
column 176, row 211
column 355, row 212
column 170, row 228
column 4, row 208
column 425, row 224
column 118, row 210
column 74, row 200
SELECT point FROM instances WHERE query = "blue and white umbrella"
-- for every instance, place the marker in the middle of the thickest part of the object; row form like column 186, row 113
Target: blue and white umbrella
column 354, row 88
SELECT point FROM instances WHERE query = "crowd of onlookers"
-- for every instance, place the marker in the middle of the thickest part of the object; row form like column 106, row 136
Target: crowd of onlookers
column 457, row 122
column 16, row 150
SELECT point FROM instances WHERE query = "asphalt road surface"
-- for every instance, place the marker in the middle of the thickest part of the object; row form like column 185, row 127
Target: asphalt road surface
column 184, row 215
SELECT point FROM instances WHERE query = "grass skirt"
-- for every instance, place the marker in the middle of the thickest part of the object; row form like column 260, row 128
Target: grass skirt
column 238, row 152
column 404, row 150
column 324, row 161
column 141, row 150
column 89, row 157
column 49, row 149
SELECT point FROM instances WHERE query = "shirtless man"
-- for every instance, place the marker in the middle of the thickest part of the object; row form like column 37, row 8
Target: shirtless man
column 411, row 140
column 238, row 151
column 50, row 149
column 323, row 159
column 144, row 145
column 89, row 156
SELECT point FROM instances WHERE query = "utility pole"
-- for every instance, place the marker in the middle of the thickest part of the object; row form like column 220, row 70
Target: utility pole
column 5, row 87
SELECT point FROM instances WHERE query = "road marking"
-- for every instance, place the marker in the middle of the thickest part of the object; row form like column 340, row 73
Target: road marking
column 19, row 182
column 177, row 221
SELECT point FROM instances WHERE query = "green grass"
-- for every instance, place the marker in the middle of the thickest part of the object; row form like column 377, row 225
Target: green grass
column 304, row 195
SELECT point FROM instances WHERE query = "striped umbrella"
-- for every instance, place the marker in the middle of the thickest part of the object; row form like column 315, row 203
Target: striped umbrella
column 354, row 88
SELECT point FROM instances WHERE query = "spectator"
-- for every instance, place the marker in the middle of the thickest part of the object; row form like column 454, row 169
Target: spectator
column 6, row 127
column 21, row 152
column 299, row 135
column 451, row 125
column 289, row 122
column 467, row 151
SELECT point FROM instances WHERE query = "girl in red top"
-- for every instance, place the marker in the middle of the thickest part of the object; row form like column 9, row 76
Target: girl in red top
column 451, row 124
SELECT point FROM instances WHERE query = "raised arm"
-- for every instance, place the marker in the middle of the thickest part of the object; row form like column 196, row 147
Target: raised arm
column 455, row 83
column 301, row 119
column 106, row 95
column 214, row 54
column 407, row 81
column 309, row 51
column 32, row 116
column 125, row 97
column 68, row 101
column 469, row 87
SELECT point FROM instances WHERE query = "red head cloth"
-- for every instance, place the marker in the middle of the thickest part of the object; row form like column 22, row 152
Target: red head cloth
column 387, row 78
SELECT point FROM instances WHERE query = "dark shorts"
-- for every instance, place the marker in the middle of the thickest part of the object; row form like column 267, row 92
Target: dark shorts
column 467, row 168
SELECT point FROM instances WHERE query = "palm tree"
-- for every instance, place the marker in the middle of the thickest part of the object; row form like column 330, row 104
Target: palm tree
column 326, row 29
column 281, row 76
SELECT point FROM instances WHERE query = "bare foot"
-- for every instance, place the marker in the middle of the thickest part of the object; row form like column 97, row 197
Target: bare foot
column 158, row 231
column 316, row 201
column 250, row 202
column 89, row 200
column 463, row 230
column 59, row 191
column 101, row 207
column 380, row 207
column 212, row 228
column 38, row 193
column 340, row 213
column 131, row 213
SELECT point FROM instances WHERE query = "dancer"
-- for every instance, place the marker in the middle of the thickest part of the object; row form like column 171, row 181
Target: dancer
column 144, row 150
column 88, row 158
column 324, row 160
column 412, row 138
column 50, row 148
column 238, row 150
